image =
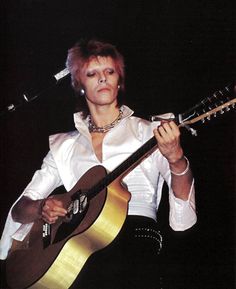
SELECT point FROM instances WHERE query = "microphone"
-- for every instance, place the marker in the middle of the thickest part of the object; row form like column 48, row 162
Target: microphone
column 26, row 96
column 61, row 74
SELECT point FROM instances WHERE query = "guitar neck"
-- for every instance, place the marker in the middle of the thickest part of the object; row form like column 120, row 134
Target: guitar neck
column 207, row 115
column 136, row 158
column 124, row 168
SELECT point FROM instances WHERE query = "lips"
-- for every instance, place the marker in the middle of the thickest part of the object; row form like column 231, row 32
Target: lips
column 104, row 89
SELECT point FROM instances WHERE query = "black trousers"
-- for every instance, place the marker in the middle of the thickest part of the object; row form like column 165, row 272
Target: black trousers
column 131, row 261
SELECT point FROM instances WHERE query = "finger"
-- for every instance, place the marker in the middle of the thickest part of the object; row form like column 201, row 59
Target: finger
column 170, row 131
column 166, row 134
column 50, row 220
column 166, row 129
column 59, row 211
column 157, row 135
column 49, row 217
column 55, row 206
column 54, row 211
column 49, row 214
column 174, row 128
column 57, row 202
column 52, row 202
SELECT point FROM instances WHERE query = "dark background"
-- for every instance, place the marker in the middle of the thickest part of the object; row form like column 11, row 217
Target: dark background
column 177, row 53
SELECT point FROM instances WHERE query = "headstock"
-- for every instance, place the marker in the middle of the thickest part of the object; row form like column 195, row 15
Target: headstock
column 220, row 102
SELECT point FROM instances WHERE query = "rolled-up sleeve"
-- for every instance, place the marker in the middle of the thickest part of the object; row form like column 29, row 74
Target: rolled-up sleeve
column 182, row 214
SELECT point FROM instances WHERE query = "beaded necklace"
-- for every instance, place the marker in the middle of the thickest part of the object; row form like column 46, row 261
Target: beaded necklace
column 102, row 129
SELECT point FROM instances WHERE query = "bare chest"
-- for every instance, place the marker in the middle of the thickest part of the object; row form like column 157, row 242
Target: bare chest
column 97, row 140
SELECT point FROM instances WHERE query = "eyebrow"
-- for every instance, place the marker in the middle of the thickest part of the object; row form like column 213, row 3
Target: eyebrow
column 106, row 67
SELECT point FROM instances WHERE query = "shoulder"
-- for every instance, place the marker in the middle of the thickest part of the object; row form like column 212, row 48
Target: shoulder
column 143, row 123
column 58, row 139
column 141, row 128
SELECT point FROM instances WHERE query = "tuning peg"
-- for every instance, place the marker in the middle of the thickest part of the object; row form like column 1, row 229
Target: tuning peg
column 210, row 108
column 193, row 131
column 222, row 111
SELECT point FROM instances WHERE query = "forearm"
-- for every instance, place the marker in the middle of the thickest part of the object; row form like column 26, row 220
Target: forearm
column 181, row 178
column 27, row 210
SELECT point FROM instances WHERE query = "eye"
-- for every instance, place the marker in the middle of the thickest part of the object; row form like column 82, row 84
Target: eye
column 110, row 71
column 90, row 74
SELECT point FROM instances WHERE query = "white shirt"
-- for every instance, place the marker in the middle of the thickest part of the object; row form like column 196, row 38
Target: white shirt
column 72, row 154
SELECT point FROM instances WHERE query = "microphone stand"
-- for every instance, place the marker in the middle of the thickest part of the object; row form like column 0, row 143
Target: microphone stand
column 26, row 99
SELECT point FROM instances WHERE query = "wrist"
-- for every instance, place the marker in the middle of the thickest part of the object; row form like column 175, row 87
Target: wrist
column 175, row 156
column 41, row 204
column 176, row 160
column 180, row 169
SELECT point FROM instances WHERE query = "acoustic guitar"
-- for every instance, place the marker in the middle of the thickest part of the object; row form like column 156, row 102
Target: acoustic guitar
column 52, row 256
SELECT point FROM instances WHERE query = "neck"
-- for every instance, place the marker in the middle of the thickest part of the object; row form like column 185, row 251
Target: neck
column 94, row 128
column 102, row 116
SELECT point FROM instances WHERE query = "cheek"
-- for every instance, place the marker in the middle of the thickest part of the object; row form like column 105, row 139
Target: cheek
column 89, row 85
column 115, row 82
column 90, row 89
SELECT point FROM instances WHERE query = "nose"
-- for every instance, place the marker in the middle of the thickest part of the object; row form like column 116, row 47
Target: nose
column 102, row 79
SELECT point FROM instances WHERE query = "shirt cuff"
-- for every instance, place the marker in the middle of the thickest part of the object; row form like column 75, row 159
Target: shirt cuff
column 182, row 213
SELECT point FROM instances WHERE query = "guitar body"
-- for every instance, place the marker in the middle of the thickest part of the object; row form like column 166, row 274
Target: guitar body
column 58, row 265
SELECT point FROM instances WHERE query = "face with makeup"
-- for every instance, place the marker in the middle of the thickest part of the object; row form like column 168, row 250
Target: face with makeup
column 100, row 80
